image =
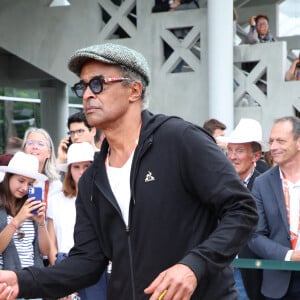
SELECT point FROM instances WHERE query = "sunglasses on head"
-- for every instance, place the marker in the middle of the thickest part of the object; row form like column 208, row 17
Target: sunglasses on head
column 95, row 84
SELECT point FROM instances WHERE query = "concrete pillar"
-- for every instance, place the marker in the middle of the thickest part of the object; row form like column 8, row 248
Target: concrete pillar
column 54, row 110
column 220, row 61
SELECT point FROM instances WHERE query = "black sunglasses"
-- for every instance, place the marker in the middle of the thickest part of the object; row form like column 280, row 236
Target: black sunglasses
column 95, row 84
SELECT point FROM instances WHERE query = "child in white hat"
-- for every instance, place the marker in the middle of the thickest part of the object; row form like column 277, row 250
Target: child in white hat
column 61, row 211
column 23, row 234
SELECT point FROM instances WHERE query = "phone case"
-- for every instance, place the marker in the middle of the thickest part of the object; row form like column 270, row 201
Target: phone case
column 36, row 192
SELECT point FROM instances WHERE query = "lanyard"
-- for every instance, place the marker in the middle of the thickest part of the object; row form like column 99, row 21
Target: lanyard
column 45, row 199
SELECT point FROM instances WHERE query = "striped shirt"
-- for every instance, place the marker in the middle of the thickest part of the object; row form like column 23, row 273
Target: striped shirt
column 23, row 239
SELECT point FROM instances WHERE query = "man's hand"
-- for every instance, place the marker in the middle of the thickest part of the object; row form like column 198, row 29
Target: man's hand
column 294, row 64
column 252, row 21
column 62, row 151
column 9, row 287
column 177, row 282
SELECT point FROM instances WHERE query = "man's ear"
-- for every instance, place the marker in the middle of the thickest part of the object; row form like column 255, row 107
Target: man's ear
column 136, row 89
column 257, row 155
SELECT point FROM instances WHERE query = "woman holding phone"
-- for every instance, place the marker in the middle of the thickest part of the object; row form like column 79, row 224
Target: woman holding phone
column 23, row 234
column 38, row 142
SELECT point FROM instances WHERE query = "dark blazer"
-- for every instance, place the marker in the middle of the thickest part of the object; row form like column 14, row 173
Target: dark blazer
column 252, row 278
column 252, row 178
column 271, row 239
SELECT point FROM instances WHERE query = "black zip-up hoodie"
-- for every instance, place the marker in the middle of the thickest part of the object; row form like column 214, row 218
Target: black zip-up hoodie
column 188, row 206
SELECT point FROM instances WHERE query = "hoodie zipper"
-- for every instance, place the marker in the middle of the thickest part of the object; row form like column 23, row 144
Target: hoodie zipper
column 136, row 159
column 140, row 151
column 131, row 263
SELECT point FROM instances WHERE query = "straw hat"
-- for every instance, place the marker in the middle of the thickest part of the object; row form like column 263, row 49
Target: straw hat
column 78, row 152
column 24, row 164
column 247, row 131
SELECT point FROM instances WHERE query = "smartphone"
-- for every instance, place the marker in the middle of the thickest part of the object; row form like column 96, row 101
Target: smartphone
column 70, row 142
column 37, row 192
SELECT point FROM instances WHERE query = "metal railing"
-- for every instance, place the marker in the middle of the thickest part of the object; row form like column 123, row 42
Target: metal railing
column 245, row 263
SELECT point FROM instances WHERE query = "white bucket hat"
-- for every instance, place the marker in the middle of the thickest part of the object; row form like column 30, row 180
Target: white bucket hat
column 247, row 131
column 78, row 152
column 24, row 164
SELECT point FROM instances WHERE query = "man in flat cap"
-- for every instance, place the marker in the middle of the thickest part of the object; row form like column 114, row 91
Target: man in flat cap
column 161, row 201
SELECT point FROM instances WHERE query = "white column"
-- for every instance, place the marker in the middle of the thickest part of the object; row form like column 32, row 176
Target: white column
column 54, row 111
column 220, row 62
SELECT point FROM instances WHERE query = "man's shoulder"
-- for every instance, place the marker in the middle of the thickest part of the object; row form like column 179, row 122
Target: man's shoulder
column 182, row 128
column 269, row 175
column 173, row 129
column 157, row 122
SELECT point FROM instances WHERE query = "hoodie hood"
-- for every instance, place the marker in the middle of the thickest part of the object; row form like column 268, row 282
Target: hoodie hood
column 151, row 122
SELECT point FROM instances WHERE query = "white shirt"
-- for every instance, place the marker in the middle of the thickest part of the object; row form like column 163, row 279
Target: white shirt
column 62, row 211
column 119, row 179
column 247, row 179
column 294, row 195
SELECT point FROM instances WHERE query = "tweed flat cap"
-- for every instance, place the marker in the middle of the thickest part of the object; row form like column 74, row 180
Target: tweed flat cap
column 112, row 54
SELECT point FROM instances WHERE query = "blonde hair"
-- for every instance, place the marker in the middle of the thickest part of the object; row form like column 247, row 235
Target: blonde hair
column 49, row 169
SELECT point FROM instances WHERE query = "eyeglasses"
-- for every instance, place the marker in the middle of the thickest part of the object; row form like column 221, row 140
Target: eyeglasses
column 39, row 144
column 237, row 152
column 261, row 24
column 79, row 132
column 95, row 84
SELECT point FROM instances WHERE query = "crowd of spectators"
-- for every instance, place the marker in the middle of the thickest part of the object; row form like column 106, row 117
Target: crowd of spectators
column 271, row 175
column 271, row 172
